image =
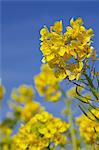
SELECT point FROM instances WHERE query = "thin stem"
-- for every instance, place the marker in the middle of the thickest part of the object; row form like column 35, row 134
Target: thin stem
column 79, row 85
column 93, row 147
column 70, row 119
column 48, row 147
column 92, row 87
column 87, row 146
column 72, row 131
column 83, row 96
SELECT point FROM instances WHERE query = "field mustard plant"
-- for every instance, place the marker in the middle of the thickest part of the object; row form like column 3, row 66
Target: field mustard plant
column 23, row 104
column 29, row 110
column 67, row 55
column 23, row 94
column 5, row 139
column 89, row 127
column 60, row 48
column 47, row 84
column 40, row 132
column 20, row 96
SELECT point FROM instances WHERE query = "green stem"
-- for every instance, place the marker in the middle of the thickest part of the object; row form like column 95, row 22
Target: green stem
column 87, row 146
column 93, row 147
column 92, row 87
column 68, row 103
column 70, row 119
column 48, row 148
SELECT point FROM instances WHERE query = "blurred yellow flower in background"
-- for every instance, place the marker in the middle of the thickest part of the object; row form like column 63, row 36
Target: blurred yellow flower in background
column 89, row 126
column 29, row 110
column 22, row 94
column 47, row 84
column 23, row 104
column 5, row 137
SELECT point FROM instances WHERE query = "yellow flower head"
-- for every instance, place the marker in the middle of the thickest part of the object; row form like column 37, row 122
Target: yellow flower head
column 22, row 94
column 22, row 103
column 89, row 128
column 47, row 84
column 42, row 130
column 5, row 131
column 29, row 110
column 5, row 137
column 57, row 27
column 61, row 49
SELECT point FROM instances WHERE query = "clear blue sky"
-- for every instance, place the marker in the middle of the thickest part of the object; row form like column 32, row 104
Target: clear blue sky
column 21, row 24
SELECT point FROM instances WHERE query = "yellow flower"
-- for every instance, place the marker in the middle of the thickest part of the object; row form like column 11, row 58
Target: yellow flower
column 74, row 71
column 5, row 137
column 42, row 130
column 28, row 111
column 89, row 128
column 43, row 117
column 22, row 94
column 5, row 147
column 5, row 131
column 47, row 84
column 59, row 139
column 23, row 104
column 57, row 27
column 60, row 48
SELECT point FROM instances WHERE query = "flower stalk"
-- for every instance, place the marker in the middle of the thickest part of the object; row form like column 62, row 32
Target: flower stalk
column 70, row 119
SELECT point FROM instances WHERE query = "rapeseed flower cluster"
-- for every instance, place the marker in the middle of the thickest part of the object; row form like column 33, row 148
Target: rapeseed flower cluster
column 89, row 126
column 29, row 110
column 22, row 94
column 66, row 52
column 5, row 134
column 40, row 132
column 47, row 84
column 23, row 103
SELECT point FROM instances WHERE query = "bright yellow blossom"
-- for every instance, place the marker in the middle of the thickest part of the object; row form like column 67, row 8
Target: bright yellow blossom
column 5, row 137
column 47, row 84
column 60, row 48
column 89, row 128
column 74, row 71
column 42, row 130
column 28, row 111
column 23, row 104
column 4, row 131
column 57, row 27
column 22, row 94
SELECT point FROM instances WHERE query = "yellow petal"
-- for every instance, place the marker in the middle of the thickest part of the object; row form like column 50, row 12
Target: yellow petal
column 62, row 51
column 71, row 77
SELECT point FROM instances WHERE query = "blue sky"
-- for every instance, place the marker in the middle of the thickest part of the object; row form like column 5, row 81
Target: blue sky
column 21, row 24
